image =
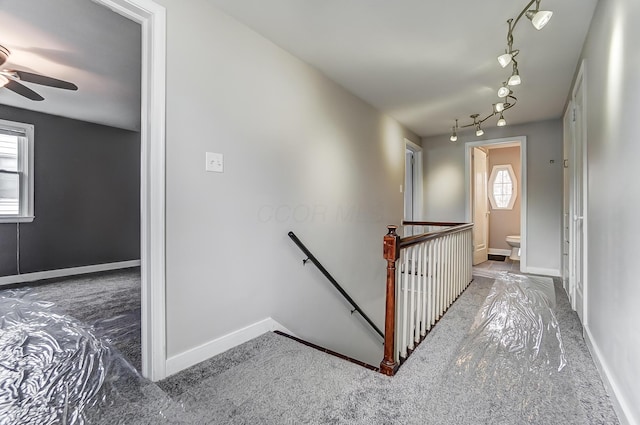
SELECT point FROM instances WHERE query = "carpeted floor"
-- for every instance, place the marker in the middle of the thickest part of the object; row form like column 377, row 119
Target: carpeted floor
column 108, row 301
column 275, row 380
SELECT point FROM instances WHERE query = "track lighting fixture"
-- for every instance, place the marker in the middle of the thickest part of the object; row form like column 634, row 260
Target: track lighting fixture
column 454, row 134
column 515, row 79
column 539, row 18
column 505, row 59
column 479, row 130
column 504, row 91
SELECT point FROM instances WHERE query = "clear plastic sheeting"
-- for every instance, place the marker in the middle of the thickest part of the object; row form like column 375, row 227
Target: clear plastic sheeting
column 52, row 368
column 516, row 323
column 512, row 362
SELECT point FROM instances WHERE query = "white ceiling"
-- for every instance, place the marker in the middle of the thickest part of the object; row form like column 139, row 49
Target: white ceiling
column 424, row 62
column 427, row 62
column 81, row 42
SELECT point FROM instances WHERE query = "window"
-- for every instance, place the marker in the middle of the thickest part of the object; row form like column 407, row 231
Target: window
column 503, row 187
column 16, row 172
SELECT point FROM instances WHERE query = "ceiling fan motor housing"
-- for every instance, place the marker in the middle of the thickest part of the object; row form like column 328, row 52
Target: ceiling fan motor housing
column 4, row 54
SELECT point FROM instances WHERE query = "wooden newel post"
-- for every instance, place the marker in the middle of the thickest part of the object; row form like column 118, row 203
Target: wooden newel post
column 391, row 251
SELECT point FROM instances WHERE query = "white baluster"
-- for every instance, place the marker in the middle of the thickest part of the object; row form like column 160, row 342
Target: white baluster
column 405, row 294
column 430, row 282
column 412, row 299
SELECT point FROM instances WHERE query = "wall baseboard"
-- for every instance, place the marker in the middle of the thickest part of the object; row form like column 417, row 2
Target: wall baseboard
column 72, row 271
column 496, row 251
column 219, row 345
column 619, row 405
column 542, row 271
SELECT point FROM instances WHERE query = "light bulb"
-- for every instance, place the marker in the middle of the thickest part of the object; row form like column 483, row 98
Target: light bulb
column 3, row 80
column 505, row 59
column 502, row 122
column 498, row 107
column 453, row 138
column 479, row 132
column 503, row 91
column 514, row 80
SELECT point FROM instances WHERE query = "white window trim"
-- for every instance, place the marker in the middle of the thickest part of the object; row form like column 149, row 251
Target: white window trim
column 494, row 173
column 26, row 169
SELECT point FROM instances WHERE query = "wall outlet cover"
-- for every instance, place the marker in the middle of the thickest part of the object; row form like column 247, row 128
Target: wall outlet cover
column 215, row 162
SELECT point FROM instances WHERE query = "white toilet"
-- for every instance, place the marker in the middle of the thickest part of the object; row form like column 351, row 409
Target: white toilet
column 514, row 243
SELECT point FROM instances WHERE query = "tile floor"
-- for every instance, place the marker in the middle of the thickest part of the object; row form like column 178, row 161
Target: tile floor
column 507, row 264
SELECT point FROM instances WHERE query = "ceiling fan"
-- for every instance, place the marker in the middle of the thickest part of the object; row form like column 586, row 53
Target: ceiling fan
column 11, row 79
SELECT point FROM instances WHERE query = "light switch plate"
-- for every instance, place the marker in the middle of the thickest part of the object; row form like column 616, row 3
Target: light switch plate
column 215, row 162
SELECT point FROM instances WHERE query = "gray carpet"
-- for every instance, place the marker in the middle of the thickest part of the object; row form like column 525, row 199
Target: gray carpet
column 108, row 301
column 274, row 380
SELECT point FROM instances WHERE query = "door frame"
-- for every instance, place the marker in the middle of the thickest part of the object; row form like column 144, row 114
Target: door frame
column 468, row 176
column 417, row 178
column 152, row 19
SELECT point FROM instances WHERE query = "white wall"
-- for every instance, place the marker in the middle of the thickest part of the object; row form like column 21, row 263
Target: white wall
column 444, row 174
column 613, row 148
column 301, row 154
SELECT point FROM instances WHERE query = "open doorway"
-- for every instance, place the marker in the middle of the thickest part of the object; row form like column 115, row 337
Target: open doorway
column 412, row 183
column 496, row 200
column 150, row 18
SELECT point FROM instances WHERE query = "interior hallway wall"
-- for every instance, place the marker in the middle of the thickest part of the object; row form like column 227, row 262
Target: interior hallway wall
column 300, row 154
column 86, row 196
column 444, row 174
column 503, row 223
column 613, row 149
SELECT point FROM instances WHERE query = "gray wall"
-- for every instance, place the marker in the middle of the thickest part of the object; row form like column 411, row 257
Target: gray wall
column 301, row 154
column 613, row 148
column 87, row 196
column 444, row 175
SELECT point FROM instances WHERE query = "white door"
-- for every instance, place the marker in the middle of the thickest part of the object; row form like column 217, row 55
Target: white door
column 567, row 164
column 578, row 199
column 480, row 207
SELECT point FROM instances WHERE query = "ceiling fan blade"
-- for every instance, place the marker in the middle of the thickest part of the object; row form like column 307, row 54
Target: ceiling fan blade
column 16, row 87
column 43, row 80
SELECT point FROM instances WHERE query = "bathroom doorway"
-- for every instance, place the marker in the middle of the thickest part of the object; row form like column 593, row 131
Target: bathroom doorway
column 500, row 211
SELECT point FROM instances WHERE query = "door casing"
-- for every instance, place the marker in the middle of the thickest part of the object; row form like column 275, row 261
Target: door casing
column 468, row 181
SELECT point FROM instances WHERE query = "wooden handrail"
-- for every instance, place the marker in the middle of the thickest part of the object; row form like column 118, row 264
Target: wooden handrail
column 334, row 282
column 430, row 223
column 413, row 240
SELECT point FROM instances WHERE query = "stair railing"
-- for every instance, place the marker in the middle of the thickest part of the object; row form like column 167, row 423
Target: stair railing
column 334, row 282
column 425, row 274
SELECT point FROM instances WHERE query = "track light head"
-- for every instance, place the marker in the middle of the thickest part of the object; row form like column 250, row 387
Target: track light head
column 515, row 79
column 454, row 134
column 504, row 91
column 505, row 59
column 479, row 131
column 539, row 18
column 502, row 122
column 498, row 107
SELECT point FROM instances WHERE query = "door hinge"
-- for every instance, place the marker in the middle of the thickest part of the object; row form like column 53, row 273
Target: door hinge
column 574, row 114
